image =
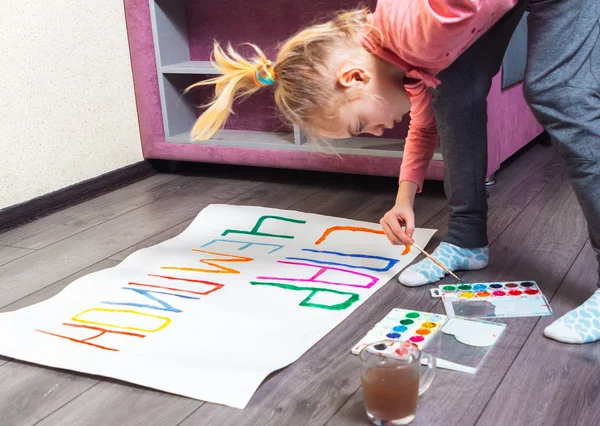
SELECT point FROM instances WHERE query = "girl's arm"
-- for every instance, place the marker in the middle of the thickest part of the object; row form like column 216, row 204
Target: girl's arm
column 418, row 150
column 422, row 138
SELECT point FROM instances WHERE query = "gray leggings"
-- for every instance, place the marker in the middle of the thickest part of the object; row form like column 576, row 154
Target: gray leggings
column 460, row 108
column 562, row 87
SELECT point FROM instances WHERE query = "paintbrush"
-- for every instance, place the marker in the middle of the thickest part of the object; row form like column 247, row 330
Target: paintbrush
column 437, row 263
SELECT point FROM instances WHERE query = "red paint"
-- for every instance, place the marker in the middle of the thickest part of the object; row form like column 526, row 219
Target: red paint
column 531, row 292
column 499, row 293
column 85, row 341
column 473, row 30
column 515, row 293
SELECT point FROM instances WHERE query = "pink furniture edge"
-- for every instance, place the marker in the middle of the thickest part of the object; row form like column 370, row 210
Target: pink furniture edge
column 511, row 124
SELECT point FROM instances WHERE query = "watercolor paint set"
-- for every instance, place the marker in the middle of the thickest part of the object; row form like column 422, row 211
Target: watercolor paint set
column 493, row 300
column 405, row 326
column 459, row 344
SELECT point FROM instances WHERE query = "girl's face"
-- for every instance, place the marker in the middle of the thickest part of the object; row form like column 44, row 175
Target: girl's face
column 373, row 99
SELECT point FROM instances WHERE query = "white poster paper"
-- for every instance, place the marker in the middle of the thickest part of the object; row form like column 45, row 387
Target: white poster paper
column 242, row 292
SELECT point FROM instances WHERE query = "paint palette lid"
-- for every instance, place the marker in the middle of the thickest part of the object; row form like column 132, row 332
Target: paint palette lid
column 464, row 343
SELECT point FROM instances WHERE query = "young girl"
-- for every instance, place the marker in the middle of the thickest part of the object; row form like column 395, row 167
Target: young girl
column 361, row 72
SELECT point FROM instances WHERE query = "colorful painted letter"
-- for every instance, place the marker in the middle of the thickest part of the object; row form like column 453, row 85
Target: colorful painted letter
column 164, row 306
column 390, row 262
column 86, row 341
column 352, row 297
column 219, row 268
column 258, row 225
column 121, row 314
column 321, row 271
column 246, row 244
column 215, row 286
column 347, row 228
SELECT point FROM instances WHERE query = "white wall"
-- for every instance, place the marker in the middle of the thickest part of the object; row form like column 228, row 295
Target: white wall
column 67, row 106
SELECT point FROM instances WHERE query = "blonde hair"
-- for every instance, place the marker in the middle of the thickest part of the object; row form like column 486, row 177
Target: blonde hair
column 304, row 84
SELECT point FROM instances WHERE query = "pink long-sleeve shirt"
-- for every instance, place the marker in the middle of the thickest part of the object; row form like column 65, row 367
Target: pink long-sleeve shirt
column 423, row 37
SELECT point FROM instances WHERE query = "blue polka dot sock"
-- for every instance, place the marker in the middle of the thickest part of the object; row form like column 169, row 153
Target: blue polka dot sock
column 581, row 325
column 452, row 257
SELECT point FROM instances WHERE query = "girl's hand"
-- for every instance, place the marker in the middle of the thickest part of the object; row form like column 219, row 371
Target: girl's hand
column 402, row 214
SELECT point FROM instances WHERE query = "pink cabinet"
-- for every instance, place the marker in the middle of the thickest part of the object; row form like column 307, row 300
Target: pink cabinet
column 170, row 43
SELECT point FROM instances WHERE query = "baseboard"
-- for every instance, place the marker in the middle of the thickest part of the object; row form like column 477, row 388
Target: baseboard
column 28, row 211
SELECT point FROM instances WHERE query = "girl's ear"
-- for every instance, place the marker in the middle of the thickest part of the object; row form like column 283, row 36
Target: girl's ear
column 353, row 76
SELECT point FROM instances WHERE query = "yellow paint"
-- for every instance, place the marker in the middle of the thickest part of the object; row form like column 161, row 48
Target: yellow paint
column 166, row 320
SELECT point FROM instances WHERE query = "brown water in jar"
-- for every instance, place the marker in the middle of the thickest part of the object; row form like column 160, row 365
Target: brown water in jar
column 391, row 393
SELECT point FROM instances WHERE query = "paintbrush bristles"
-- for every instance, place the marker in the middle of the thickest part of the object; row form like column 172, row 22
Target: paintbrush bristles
column 437, row 262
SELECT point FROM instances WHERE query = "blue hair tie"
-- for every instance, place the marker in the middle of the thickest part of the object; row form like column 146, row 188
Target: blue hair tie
column 264, row 81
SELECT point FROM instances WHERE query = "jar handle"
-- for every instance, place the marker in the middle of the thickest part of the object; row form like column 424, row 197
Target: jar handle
column 427, row 378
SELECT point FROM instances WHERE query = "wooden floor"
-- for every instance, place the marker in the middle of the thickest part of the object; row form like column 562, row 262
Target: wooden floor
column 536, row 231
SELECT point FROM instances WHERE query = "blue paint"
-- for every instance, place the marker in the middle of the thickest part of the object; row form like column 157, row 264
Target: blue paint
column 164, row 306
column 479, row 287
column 390, row 265
column 393, row 335
column 246, row 244
column 496, row 285
column 400, row 329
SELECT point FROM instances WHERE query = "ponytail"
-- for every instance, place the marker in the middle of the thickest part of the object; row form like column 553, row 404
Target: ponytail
column 306, row 87
column 240, row 78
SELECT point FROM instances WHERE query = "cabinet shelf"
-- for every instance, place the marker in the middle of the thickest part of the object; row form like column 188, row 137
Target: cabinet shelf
column 190, row 67
column 176, row 71
column 376, row 147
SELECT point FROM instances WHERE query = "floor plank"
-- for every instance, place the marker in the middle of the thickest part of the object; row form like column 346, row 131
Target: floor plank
column 260, row 195
column 167, row 234
column 111, row 403
column 68, row 222
column 560, row 381
column 26, row 387
column 524, row 176
column 29, row 390
column 54, row 288
column 427, row 204
column 43, row 267
column 8, row 254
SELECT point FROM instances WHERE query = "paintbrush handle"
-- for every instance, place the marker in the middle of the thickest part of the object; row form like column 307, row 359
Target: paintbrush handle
column 437, row 262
